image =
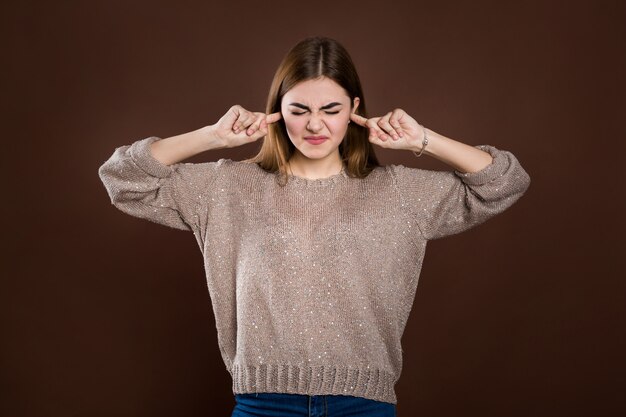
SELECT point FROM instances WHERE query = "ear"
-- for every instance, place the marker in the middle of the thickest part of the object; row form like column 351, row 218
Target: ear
column 355, row 104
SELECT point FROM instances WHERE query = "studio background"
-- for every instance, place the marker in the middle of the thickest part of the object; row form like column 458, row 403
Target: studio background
column 103, row 314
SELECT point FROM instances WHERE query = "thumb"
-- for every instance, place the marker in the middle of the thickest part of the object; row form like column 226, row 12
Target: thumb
column 274, row 117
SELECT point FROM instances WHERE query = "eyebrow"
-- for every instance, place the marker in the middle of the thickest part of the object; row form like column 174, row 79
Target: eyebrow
column 328, row 106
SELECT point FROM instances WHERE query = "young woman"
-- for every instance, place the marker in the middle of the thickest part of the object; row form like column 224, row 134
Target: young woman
column 313, row 250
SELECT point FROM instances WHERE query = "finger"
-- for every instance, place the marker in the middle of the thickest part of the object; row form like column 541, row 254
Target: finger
column 274, row 117
column 245, row 120
column 358, row 119
column 375, row 129
column 394, row 120
column 255, row 126
column 384, row 123
column 237, row 112
column 375, row 139
column 260, row 127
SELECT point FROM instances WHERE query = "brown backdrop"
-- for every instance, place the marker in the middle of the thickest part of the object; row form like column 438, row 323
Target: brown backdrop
column 103, row 314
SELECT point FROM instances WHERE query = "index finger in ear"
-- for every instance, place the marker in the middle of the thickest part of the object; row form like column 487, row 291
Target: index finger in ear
column 274, row 117
column 358, row 119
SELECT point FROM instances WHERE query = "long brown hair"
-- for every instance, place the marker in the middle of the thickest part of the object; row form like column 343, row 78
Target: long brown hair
column 312, row 58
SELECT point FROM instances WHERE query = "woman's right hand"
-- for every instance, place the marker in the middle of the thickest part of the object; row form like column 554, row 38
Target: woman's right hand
column 240, row 126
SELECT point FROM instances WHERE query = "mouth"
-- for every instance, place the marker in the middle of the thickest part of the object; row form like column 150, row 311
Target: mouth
column 315, row 140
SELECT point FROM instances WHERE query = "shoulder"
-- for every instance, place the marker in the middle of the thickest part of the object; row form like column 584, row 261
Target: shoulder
column 223, row 166
column 421, row 181
column 224, row 171
column 401, row 172
column 382, row 178
column 242, row 173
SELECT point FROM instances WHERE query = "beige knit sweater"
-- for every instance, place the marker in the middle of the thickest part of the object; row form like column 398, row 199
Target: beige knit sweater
column 311, row 284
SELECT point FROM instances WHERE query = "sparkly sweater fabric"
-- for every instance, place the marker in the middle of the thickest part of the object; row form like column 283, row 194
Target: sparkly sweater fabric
column 311, row 283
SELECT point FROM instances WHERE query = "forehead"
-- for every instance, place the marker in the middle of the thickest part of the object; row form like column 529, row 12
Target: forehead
column 318, row 91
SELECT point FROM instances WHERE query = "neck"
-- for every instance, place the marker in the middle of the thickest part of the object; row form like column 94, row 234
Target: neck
column 302, row 166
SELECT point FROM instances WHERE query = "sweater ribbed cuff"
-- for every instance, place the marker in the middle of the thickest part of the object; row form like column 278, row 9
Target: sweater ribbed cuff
column 495, row 169
column 140, row 154
column 363, row 382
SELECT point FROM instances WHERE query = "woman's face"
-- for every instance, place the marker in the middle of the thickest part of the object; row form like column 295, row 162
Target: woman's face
column 317, row 108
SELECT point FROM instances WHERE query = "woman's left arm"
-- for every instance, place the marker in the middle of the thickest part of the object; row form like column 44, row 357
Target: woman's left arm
column 398, row 130
column 460, row 156
column 485, row 181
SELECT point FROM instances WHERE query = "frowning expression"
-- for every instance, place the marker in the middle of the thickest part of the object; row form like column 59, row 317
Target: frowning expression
column 316, row 114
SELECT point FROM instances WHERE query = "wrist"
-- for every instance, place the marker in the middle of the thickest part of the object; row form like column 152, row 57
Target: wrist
column 209, row 139
column 421, row 148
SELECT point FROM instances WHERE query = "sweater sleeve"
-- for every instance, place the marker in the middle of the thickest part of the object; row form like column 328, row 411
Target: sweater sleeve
column 140, row 185
column 449, row 202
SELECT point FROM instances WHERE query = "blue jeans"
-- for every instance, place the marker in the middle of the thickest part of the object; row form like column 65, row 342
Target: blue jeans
column 267, row 404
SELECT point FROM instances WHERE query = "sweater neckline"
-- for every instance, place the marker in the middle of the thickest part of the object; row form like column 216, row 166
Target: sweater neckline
column 332, row 179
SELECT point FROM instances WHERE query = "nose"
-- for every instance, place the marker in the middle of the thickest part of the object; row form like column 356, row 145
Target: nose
column 315, row 123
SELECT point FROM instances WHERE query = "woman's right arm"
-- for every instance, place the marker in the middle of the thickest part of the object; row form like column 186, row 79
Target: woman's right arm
column 178, row 148
column 237, row 127
column 147, row 179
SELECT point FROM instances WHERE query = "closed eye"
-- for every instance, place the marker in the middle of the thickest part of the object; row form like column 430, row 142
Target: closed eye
column 328, row 112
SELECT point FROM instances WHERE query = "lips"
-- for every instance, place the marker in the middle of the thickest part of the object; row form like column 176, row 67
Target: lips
column 316, row 140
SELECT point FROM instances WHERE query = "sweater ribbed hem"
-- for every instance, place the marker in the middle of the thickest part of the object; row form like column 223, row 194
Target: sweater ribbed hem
column 369, row 383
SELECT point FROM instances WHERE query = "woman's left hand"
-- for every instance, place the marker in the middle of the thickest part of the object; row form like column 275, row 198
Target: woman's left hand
column 395, row 130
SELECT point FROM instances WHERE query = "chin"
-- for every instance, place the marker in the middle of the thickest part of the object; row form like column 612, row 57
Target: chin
column 314, row 155
column 318, row 153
